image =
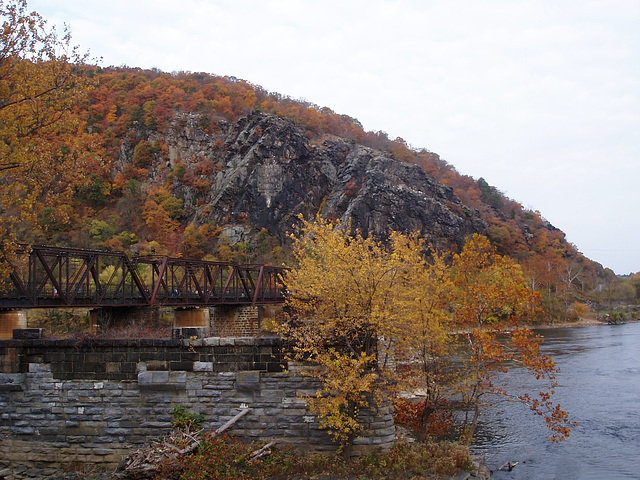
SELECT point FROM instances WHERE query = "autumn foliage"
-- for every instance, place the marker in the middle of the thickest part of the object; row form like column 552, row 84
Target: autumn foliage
column 492, row 304
column 375, row 321
column 65, row 125
column 43, row 147
column 344, row 295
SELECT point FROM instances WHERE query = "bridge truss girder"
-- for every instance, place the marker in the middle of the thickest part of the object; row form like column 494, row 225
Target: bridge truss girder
column 55, row 277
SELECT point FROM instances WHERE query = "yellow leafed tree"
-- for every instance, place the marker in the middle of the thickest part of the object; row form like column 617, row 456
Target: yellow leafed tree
column 361, row 307
column 422, row 342
column 371, row 320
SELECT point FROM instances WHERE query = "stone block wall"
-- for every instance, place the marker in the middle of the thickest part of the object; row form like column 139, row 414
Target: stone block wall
column 91, row 358
column 93, row 401
column 235, row 321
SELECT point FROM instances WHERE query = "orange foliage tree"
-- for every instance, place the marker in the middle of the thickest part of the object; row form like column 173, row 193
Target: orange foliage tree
column 42, row 148
column 492, row 302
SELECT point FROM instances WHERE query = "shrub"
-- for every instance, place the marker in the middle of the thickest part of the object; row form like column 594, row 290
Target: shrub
column 223, row 458
column 184, row 420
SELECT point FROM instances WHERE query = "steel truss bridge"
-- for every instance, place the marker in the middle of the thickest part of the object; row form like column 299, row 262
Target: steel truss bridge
column 55, row 277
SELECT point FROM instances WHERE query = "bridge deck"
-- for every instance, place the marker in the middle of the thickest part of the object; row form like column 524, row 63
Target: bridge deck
column 56, row 277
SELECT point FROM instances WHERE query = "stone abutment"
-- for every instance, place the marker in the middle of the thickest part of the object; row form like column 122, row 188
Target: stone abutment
column 93, row 400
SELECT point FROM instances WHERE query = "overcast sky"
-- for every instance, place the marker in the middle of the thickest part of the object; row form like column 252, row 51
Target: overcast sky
column 540, row 98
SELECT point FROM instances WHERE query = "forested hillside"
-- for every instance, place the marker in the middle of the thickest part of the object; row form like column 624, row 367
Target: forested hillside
column 214, row 167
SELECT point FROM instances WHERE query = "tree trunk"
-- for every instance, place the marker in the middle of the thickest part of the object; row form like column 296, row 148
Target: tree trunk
column 347, row 447
column 471, row 429
column 424, row 420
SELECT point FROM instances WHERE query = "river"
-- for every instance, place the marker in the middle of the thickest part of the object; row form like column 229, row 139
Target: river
column 599, row 385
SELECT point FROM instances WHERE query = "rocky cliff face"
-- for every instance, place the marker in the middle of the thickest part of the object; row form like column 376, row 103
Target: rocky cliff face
column 264, row 171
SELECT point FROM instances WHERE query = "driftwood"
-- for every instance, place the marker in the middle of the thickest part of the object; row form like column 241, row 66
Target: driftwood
column 509, row 466
column 146, row 461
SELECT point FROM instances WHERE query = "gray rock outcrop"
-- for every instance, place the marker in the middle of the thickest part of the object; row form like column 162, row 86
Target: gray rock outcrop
column 266, row 172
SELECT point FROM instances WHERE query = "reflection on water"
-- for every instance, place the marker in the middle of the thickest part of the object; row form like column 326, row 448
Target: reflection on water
column 599, row 385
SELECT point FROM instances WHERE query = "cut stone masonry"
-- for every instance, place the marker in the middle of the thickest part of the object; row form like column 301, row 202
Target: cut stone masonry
column 94, row 400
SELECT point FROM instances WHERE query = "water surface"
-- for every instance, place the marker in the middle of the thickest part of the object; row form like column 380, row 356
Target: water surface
column 599, row 385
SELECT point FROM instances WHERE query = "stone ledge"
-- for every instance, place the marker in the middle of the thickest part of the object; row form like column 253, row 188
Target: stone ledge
column 12, row 382
column 188, row 332
column 27, row 333
column 39, row 368
column 162, row 380
column 203, row 366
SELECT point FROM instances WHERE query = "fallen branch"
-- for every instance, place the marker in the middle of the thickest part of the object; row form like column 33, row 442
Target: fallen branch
column 146, row 461
column 262, row 452
column 230, row 422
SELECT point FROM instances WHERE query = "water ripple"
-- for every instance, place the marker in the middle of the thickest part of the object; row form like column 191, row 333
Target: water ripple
column 599, row 386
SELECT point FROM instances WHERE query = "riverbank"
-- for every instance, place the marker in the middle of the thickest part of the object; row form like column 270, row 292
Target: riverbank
column 582, row 322
column 226, row 459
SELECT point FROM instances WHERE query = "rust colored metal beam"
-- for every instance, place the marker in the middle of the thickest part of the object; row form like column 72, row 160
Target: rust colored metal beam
column 160, row 281
column 69, row 277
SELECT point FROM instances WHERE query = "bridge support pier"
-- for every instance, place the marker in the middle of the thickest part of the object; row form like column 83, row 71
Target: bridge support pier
column 235, row 320
column 191, row 317
column 9, row 320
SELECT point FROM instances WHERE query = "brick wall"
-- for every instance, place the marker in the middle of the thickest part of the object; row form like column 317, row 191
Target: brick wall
column 235, row 321
column 92, row 401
